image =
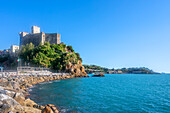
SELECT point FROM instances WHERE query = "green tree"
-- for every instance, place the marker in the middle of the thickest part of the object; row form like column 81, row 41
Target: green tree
column 53, row 56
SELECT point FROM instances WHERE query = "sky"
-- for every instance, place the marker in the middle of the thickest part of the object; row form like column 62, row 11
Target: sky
column 108, row 33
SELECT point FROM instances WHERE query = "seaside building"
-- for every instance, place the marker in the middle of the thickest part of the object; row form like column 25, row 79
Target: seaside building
column 37, row 37
column 12, row 51
column 14, row 48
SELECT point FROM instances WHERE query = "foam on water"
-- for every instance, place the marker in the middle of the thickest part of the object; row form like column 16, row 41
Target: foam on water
column 46, row 82
column 56, row 80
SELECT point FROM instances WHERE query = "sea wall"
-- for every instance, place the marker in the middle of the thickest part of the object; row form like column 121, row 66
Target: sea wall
column 14, row 93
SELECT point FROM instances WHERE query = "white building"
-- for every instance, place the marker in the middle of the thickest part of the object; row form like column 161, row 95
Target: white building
column 14, row 48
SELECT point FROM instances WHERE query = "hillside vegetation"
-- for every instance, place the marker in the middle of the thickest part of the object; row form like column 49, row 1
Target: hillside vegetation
column 8, row 62
column 54, row 56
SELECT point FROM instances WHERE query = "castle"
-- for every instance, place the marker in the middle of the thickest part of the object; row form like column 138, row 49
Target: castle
column 37, row 37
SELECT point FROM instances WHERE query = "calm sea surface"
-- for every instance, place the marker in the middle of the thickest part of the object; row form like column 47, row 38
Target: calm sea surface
column 132, row 93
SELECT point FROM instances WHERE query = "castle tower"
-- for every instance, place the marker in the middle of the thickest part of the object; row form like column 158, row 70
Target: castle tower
column 35, row 29
column 58, row 38
column 37, row 37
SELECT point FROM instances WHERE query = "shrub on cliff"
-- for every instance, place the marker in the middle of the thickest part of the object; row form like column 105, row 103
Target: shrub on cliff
column 70, row 48
column 54, row 56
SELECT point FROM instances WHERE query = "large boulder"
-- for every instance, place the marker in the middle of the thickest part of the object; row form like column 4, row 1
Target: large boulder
column 39, row 107
column 29, row 103
column 77, row 70
column 30, row 110
column 6, row 84
column 47, row 109
column 99, row 75
column 15, row 85
column 7, row 92
column 19, row 97
column 5, row 108
column 9, row 104
column 10, row 84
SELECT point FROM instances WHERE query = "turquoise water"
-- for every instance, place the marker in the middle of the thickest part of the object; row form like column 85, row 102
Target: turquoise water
column 128, row 93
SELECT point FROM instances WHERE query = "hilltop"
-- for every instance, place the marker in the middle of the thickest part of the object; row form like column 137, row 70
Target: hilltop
column 57, row 57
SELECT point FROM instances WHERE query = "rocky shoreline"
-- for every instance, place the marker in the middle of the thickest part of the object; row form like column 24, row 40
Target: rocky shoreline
column 14, row 93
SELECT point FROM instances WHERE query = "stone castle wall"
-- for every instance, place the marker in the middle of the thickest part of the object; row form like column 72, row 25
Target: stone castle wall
column 52, row 38
column 37, row 37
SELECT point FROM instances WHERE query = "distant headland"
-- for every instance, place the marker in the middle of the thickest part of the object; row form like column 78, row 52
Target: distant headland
column 135, row 70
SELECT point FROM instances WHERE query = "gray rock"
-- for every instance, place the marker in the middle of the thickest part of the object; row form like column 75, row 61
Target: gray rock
column 10, row 84
column 6, row 92
column 1, row 103
column 10, row 93
column 8, row 104
column 19, row 97
column 8, row 100
column 5, row 108
column 15, row 85
column 10, row 112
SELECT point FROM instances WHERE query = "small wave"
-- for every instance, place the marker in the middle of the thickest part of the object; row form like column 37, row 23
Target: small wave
column 29, row 90
column 63, row 110
column 32, row 86
column 41, row 88
column 46, row 82
column 57, row 80
column 43, row 83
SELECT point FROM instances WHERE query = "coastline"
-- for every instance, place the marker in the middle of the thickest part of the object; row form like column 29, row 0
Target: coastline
column 86, row 94
column 14, row 91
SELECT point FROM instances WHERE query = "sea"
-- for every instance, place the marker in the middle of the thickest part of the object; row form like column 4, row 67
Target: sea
column 114, row 93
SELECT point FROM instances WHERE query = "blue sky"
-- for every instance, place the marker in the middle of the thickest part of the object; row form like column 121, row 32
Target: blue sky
column 109, row 33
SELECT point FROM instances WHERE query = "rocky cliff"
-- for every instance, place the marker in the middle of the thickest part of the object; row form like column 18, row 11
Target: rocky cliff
column 77, row 70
